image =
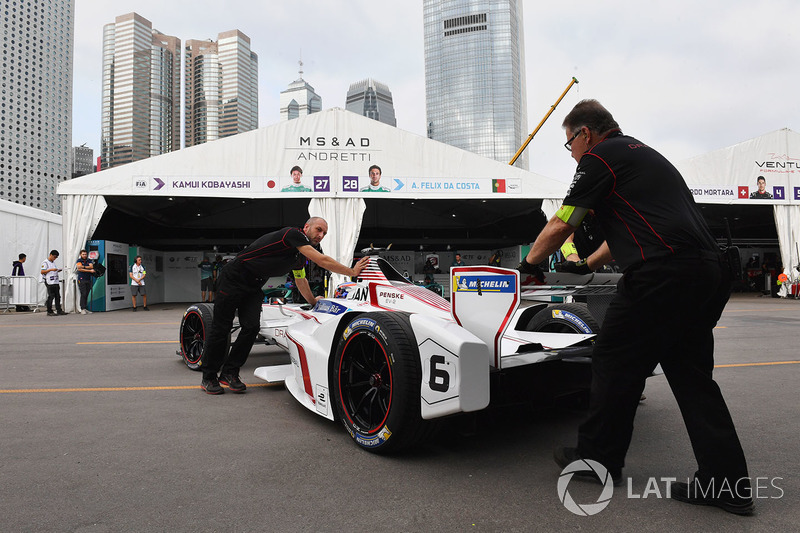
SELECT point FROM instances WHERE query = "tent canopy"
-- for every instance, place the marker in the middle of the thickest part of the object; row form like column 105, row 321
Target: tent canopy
column 727, row 181
column 229, row 191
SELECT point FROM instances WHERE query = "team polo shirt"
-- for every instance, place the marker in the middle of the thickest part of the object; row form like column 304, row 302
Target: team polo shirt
column 272, row 254
column 138, row 272
column 643, row 206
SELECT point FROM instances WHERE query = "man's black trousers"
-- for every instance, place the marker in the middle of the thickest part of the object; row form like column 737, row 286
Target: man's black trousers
column 233, row 295
column 83, row 288
column 53, row 294
column 664, row 312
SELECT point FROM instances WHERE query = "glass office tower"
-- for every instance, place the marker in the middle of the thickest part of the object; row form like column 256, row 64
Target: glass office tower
column 221, row 93
column 371, row 99
column 141, row 112
column 36, row 101
column 475, row 76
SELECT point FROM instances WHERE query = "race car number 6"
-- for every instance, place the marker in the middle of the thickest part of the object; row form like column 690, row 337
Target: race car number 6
column 440, row 378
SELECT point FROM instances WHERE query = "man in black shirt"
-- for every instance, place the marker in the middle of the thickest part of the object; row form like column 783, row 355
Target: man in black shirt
column 240, row 282
column 673, row 290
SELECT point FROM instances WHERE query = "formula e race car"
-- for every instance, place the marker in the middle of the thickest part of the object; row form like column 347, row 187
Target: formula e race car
column 388, row 358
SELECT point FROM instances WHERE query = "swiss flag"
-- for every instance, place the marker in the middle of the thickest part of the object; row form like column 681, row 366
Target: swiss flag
column 744, row 192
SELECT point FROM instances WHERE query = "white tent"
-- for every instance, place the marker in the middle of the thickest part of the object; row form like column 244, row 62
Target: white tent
column 32, row 232
column 335, row 148
column 730, row 175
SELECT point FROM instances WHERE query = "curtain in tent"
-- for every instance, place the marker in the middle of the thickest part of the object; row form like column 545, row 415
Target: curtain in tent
column 550, row 206
column 81, row 214
column 787, row 222
column 344, row 216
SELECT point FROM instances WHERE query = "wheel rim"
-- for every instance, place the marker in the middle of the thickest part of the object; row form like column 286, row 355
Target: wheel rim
column 365, row 382
column 192, row 337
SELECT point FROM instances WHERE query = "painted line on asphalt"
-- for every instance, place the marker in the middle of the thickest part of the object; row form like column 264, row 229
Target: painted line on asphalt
column 758, row 364
column 255, row 385
column 124, row 389
column 130, row 342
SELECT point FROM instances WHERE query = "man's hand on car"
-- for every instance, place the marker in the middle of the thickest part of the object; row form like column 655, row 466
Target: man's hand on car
column 574, row 267
column 531, row 270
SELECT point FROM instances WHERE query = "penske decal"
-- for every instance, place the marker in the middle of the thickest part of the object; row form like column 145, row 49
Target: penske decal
column 485, row 283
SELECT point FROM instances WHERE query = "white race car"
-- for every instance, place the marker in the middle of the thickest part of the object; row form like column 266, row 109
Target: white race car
column 388, row 358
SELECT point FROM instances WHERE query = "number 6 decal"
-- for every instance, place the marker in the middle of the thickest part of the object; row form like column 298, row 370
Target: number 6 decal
column 440, row 378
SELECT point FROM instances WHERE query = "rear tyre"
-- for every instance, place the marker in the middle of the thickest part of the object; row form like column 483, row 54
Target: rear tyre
column 195, row 325
column 564, row 318
column 376, row 383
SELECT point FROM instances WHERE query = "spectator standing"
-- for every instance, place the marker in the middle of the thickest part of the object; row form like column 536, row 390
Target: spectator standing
column 137, row 275
column 17, row 268
column 50, row 277
column 457, row 262
column 206, row 279
column 85, row 268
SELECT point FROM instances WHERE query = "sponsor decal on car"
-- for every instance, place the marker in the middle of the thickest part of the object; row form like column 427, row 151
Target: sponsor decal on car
column 566, row 315
column 360, row 323
column 328, row 307
column 485, row 283
column 376, row 440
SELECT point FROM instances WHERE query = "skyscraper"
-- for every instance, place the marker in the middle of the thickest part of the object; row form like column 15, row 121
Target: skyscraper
column 299, row 99
column 221, row 93
column 82, row 161
column 372, row 99
column 141, row 114
column 475, row 76
column 36, row 101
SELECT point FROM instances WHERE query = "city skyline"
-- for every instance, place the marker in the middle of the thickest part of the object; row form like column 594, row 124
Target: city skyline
column 671, row 74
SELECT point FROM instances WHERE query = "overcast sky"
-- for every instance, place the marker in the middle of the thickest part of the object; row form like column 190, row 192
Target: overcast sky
column 685, row 77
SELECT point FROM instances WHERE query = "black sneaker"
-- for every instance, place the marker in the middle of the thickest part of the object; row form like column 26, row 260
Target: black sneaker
column 211, row 385
column 565, row 456
column 134, row 309
column 61, row 313
column 146, row 308
column 233, row 382
column 684, row 492
column 50, row 313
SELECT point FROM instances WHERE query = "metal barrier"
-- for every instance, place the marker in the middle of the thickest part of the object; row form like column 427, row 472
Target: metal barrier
column 19, row 290
column 5, row 292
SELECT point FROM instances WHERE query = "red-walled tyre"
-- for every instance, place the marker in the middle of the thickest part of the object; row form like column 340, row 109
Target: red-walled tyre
column 376, row 383
column 195, row 325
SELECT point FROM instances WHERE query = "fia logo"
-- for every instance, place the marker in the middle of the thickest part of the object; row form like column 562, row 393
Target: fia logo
column 140, row 184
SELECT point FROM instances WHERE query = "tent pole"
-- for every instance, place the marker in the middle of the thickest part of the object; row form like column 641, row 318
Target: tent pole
column 547, row 115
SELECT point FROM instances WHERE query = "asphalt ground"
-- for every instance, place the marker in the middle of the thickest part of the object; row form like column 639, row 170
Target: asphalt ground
column 105, row 429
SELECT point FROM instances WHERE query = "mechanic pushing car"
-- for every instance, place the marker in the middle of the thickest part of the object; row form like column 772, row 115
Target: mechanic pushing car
column 675, row 285
column 240, row 282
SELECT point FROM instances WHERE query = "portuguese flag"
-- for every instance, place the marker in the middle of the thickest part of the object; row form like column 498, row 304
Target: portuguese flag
column 498, row 185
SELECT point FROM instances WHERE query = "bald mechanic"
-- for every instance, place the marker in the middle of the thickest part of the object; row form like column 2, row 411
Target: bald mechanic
column 240, row 282
column 673, row 290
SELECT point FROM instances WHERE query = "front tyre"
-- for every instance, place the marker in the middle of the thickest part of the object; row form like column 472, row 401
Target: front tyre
column 195, row 326
column 376, row 382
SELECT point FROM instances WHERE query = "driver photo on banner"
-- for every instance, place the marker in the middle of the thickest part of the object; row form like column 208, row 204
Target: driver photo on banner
column 297, row 184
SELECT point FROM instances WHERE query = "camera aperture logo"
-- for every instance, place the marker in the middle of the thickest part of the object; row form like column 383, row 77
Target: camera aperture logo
column 586, row 509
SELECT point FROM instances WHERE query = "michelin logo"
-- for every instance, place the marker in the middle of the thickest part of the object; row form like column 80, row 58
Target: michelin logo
column 486, row 283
